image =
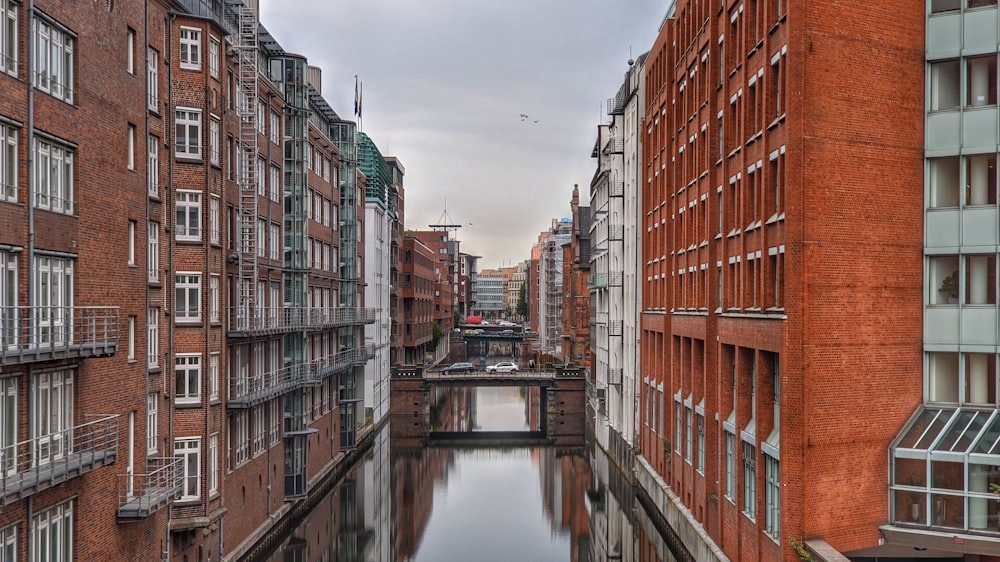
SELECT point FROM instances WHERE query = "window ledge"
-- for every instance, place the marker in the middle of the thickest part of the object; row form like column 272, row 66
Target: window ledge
column 734, row 152
column 777, row 121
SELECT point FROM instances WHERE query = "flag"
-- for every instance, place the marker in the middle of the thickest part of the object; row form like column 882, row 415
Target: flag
column 357, row 99
column 360, row 95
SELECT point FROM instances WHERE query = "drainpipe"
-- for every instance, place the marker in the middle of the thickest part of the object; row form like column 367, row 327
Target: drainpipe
column 29, row 83
column 167, row 368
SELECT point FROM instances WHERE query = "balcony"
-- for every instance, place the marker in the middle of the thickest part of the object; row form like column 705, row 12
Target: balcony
column 615, row 375
column 615, row 145
column 35, row 333
column 616, row 189
column 615, row 278
column 597, row 281
column 616, row 232
column 276, row 320
column 249, row 390
column 141, row 495
column 319, row 369
column 615, row 328
column 49, row 460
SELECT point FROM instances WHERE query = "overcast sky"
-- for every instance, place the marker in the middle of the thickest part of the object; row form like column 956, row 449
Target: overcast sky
column 445, row 83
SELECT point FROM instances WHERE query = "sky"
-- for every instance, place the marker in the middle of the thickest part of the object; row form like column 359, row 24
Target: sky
column 444, row 87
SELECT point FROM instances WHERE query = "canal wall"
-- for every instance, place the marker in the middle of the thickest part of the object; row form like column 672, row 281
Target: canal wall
column 661, row 503
column 269, row 534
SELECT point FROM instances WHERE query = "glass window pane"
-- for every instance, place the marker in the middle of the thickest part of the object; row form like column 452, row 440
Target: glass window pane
column 945, row 84
column 982, row 81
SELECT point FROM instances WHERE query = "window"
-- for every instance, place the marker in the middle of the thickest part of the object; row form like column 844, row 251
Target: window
column 213, row 141
column 275, row 127
column 213, row 298
column 187, row 137
column 187, row 369
column 214, row 49
column 188, row 297
column 213, row 464
column 945, row 85
column 749, row 480
column 260, row 176
column 274, row 424
column 152, row 421
column 678, row 429
column 153, row 337
column 53, row 64
column 778, row 84
column 190, row 48
column 981, row 279
column 730, row 466
column 259, row 429
column 8, row 425
column 188, row 205
column 261, row 116
column 981, row 76
column 213, row 376
column 52, row 300
column 980, row 179
column 8, row 544
column 240, row 438
column 131, row 338
column 189, row 449
column 275, row 243
column 275, row 184
column 213, row 219
column 8, row 37
column 130, row 51
column 131, row 242
column 153, row 252
column 53, row 177
column 153, row 166
column 261, row 238
column 942, row 280
column 152, row 79
column 52, row 533
column 701, row 444
column 772, row 493
column 8, row 160
column 688, row 446
column 52, row 399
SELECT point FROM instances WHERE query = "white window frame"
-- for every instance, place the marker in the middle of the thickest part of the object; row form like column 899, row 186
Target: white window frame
column 274, row 183
column 152, row 422
column 213, row 298
column 52, row 533
column 8, row 37
column 772, row 493
column 213, row 141
column 213, row 219
column 213, row 464
column 259, row 432
column 52, row 70
column 8, row 537
column 748, row 453
column 274, row 431
column 188, row 213
column 130, row 235
column 213, row 375
column 260, row 176
column 8, row 424
column 188, row 285
column 8, row 161
column 187, row 132
column 131, row 338
column 153, row 337
column 153, row 166
column 214, row 50
column 187, row 378
column 275, row 244
column 153, row 252
column 275, row 128
column 130, row 140
column 152, row 79
column 190, row 48
column 261, row 237
column 53, row 178
column 730, row 441
column 52, row 401
column 189, row 448
column 52, row 300
column 240, row 438
column 130, row 50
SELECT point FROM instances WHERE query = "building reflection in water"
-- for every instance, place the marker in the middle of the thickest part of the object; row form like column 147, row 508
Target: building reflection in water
column 440, row 504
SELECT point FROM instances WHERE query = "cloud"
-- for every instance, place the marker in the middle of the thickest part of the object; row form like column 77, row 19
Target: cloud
column 445, row 84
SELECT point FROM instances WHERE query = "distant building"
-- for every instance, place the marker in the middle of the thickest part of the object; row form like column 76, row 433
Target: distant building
column 576, row 292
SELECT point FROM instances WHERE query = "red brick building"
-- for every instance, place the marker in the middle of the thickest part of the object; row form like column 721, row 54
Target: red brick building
column 782, row 260
column 576, row 276
column 416, row 292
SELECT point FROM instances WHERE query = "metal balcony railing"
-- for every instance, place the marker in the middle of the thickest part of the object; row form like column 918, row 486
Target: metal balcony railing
column 321, row 368
column 616, row 232
column 141, row 495
column 270, row 320
column 616, row 189
column 48, row 460
column 615, row 328
column 43, row 333
column 615, row 278
column 615, row 145
column 248, row 390
column 597, row 281
column 614, row 375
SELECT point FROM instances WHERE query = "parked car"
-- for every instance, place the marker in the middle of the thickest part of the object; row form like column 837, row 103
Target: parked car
column 506, row 332
column 502, row 367
column 461, row 367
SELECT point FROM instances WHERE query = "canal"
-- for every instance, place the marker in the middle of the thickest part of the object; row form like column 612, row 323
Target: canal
column 476, row 500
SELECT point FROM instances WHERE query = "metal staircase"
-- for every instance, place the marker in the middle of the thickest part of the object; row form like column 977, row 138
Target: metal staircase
column 245, row 47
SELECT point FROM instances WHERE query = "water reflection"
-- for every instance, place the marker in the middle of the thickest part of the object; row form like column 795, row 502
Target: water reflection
column 440, row 504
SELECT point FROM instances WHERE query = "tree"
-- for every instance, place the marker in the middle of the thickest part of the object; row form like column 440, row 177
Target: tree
column 435, row 335
column 522, row 301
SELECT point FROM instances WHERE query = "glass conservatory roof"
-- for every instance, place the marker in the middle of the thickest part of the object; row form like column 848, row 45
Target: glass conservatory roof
column 950, row 433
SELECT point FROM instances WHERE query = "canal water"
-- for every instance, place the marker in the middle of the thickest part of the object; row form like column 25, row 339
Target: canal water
column 476, row 502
